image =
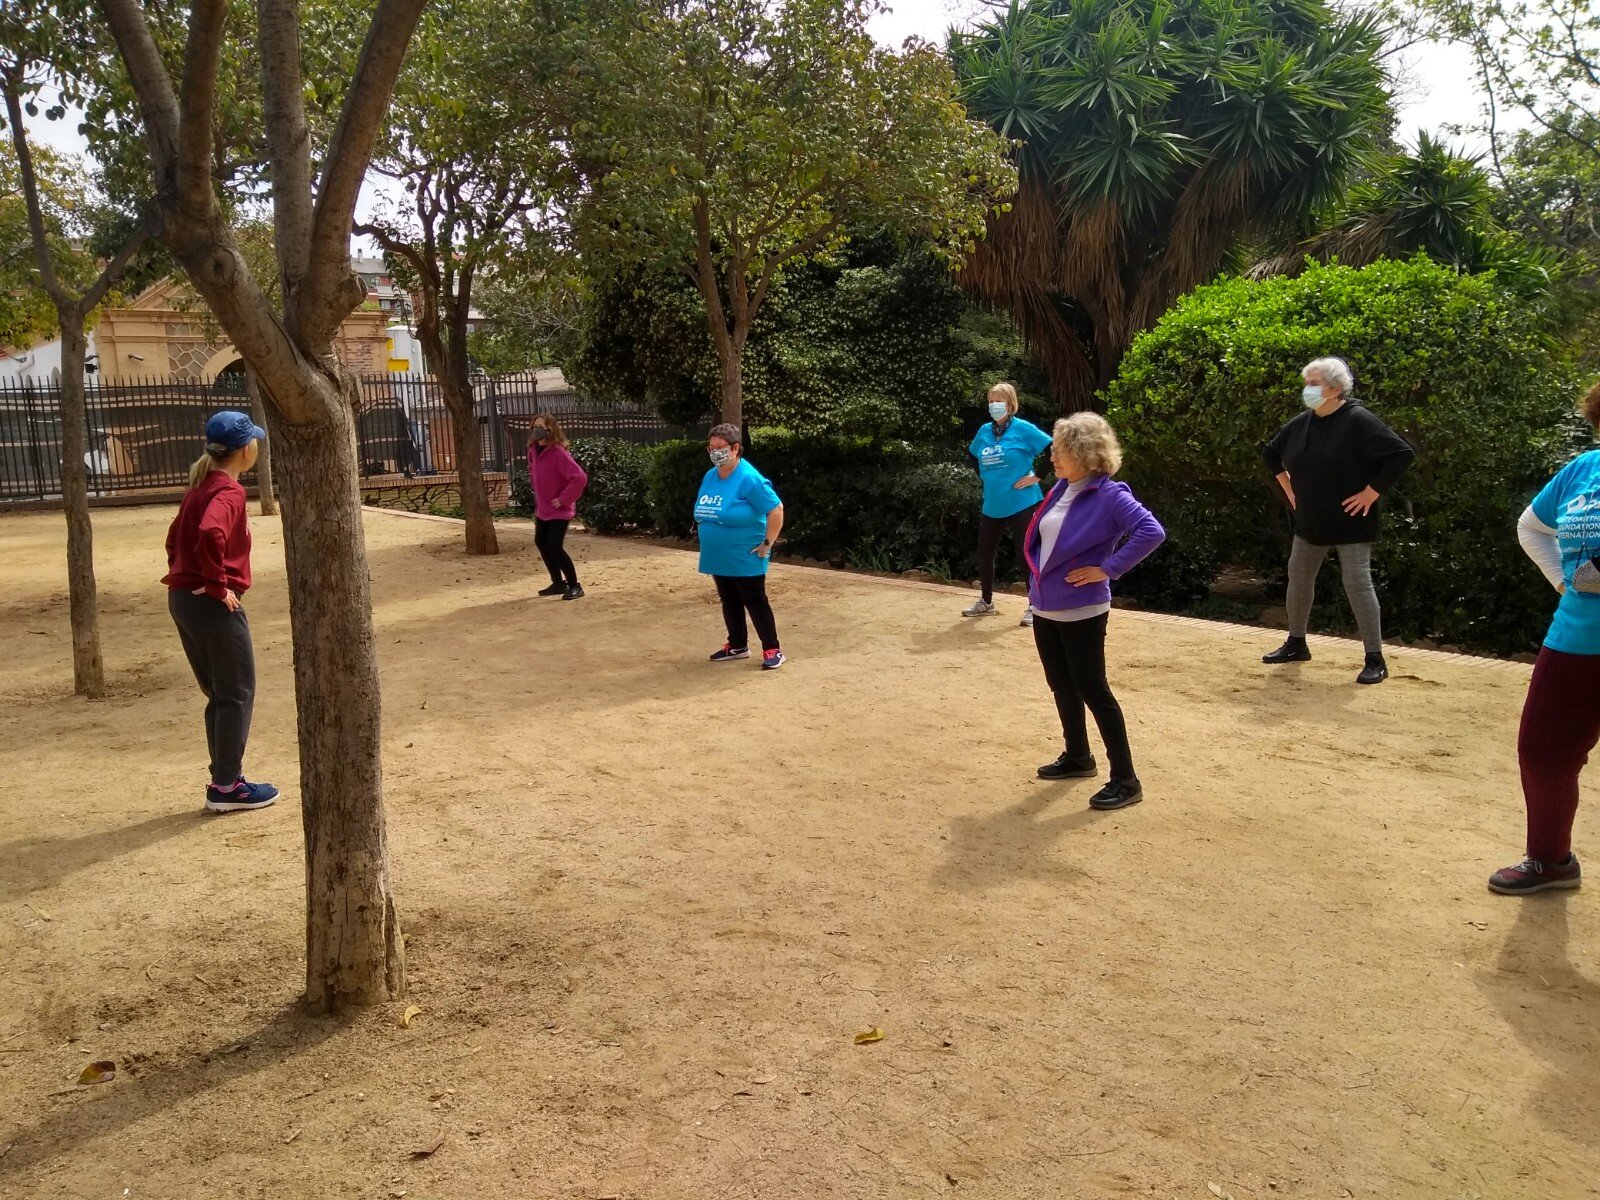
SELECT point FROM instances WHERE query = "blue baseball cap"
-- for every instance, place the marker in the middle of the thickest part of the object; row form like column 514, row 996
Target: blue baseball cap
column 234, row 430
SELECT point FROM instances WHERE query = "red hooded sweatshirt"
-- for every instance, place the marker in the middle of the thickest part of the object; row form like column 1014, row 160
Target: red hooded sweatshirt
column 557, row 481
column 208, row 546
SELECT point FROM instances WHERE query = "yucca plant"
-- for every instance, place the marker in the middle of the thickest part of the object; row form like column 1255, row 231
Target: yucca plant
column 1154, row 138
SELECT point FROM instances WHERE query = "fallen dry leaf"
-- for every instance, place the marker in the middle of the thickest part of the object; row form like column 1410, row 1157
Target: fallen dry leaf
column 1216, row 1190
column 430, row 1149
column 405, row 1017
column 869, row 1035
column 38, row 912
column 289, row 1141
column 763, row 1079
column 98, row 1072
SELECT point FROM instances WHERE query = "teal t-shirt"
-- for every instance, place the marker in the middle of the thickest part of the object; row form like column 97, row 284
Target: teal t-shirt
column 1005, row 459
column 1570, row 504
column 732, row 516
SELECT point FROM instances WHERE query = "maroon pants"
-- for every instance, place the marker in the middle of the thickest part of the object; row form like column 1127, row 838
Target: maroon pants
column 1560, row 725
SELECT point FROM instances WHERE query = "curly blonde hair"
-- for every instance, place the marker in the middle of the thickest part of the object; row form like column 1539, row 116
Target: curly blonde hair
column 1088, row 439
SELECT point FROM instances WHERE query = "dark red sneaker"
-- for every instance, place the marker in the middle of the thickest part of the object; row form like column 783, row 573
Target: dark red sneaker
column 1530, row 875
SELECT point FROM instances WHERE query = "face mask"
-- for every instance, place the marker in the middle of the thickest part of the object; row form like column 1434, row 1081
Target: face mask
column 1311, row 397
column 999, row 412
column 540, row 433
column 718, row 457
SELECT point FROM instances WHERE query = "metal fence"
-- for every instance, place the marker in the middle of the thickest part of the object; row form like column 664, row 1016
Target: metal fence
column 144, row 434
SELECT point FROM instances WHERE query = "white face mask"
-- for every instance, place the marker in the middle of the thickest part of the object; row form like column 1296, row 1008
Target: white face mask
column 999, row 411
column 1311, row 397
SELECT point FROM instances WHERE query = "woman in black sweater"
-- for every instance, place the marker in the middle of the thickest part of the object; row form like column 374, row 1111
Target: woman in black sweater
column 1333, row 462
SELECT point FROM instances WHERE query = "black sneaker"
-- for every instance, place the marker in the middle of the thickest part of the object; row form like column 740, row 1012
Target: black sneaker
column 575, row 592
column 1376, row 670
column 1292, row 650
column 1069, row 767
column 730, row 652
column 1119, row 793
column 555, row 589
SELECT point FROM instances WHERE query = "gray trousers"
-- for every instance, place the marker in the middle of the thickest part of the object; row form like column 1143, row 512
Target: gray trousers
column 217, row 644
column 1355, row 568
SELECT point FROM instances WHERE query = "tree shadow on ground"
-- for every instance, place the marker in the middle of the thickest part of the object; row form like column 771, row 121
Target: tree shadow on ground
column 87, row 1115
column 1554, row 1010
column 31, row 863
column 1017, row 842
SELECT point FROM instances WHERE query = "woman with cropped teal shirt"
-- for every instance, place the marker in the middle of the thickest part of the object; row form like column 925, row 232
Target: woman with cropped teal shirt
column 1006, row 449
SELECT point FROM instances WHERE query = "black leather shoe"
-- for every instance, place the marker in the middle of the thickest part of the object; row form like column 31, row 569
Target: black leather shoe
column 1068, row 767
column 555, row 589
column 1293, row 650
column 1376, row 670
column 575, row 592
column 1119, row 793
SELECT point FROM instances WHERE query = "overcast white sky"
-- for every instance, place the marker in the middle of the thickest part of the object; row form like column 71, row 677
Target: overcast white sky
column 1438, row 87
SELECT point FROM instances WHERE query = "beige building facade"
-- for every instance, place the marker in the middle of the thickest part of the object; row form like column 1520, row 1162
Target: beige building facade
column 165, row 332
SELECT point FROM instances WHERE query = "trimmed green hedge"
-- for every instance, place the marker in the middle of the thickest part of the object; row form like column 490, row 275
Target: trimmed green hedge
column 619, row 472
column 1452, row 362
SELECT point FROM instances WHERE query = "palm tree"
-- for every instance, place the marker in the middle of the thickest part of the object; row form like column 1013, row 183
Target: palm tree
column 1434, row 202
column 1155, row 138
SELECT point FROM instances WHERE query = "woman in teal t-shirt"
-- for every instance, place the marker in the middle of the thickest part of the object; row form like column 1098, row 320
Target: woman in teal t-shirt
column 1006, row 449
column 1561, row 717
column 739, row 517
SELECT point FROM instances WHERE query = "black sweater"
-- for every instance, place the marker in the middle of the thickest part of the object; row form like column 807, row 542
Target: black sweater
column 1329, row 459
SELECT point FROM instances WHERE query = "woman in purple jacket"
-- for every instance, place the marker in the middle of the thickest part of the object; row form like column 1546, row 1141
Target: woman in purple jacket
column 1073, row 554
column 557, row 481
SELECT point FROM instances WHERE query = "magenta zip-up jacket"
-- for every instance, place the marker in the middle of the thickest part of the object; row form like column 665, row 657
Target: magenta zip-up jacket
column 1102, row 515
column 557, row 481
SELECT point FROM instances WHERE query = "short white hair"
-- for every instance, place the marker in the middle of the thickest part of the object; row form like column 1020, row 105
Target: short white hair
column 1334, row 371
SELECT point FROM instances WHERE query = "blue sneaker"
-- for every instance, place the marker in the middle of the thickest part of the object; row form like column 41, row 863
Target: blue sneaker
column 771, row 660
column 728, row 653
column 240, row 796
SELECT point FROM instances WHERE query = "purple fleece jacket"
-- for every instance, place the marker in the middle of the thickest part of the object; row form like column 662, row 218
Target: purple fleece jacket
column 1102, row 515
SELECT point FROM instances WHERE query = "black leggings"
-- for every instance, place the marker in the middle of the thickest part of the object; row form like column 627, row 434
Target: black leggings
column 739, row 593
column 550, row 537
column 989, row 531
column 217, row 645
column 1074, row 658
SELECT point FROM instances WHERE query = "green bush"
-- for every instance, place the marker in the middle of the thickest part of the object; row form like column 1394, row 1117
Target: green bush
column 619, row 472
column 676, row 469
column 1450, row 361
column 522, row 501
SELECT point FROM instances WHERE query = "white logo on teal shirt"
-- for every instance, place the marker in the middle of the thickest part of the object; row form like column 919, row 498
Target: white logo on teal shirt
column 991, row 457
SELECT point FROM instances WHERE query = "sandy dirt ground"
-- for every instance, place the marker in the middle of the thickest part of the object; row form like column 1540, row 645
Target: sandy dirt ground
column 649, row 902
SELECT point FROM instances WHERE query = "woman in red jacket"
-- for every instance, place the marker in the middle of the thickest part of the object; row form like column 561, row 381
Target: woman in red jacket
column 208, row 569
column 557, row 481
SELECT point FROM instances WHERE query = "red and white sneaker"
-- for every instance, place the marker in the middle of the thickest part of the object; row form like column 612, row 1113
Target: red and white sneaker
column 1530, row 875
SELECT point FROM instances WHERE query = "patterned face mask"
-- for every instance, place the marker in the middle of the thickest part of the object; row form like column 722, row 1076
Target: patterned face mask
column 720, row 456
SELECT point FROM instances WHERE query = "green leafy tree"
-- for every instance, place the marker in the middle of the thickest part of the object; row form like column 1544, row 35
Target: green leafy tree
column 1156, row 140
column 176, row 80
column 473, row 139
column 27, row 314
column 74, row 287
column 729, row 140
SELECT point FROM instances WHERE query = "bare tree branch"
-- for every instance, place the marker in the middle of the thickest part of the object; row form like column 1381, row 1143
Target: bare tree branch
column 11, row 81
column 288, row 141
column 151, row 84
column 119, row 263
column 197, row 103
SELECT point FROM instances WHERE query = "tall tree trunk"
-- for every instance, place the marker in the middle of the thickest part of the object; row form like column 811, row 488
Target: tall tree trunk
column 481, row 538
column 354, row 954
column 730, row 358
column 88, row 668
column 258, row 414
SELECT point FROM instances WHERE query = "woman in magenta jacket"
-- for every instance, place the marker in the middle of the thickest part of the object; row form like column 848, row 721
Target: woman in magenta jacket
column 1088, row 531
column 557, row 481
